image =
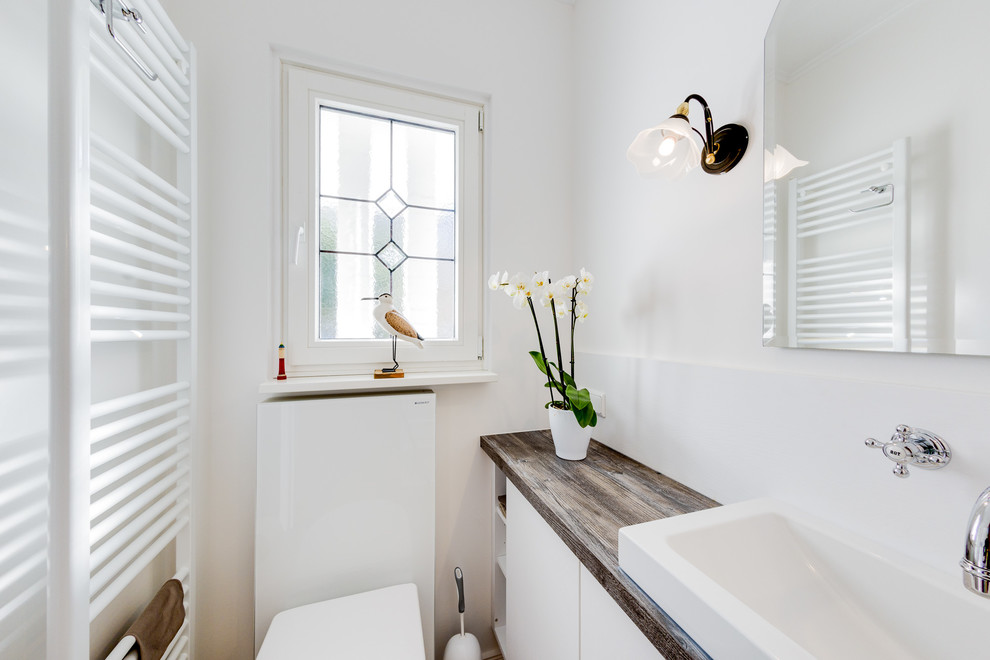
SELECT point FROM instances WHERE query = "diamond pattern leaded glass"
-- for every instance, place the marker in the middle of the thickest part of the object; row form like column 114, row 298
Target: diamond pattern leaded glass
column 391, row 204
column 391, row 255
column 387, row 223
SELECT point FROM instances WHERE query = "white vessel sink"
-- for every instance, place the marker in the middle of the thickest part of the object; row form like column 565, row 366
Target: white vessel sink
column 761, row 579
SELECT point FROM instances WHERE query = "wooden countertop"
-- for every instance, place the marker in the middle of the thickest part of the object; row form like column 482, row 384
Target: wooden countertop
column 586, row 502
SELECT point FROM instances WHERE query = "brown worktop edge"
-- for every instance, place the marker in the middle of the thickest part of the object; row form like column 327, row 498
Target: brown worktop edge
column 662, row 631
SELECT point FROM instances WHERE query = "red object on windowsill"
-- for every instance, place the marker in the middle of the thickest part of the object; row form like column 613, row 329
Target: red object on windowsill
column 281, row 362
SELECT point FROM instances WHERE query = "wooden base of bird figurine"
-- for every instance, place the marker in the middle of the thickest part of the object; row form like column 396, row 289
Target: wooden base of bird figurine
column 381, row 373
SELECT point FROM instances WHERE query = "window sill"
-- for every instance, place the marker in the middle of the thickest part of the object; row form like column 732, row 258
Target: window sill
column 366, row 382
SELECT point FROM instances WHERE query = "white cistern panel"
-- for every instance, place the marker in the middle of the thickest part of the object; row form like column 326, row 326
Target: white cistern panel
column 345, row 501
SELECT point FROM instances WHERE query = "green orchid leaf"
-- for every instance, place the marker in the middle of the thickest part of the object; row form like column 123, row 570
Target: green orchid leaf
column 538, row 359
column 586, row 416
column 579, row 398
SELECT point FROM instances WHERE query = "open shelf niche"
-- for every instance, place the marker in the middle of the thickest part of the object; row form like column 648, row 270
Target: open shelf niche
column 499, row 570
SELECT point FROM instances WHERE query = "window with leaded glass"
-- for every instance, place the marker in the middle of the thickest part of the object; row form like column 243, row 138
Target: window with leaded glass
column 382, row 194
column 387, row 223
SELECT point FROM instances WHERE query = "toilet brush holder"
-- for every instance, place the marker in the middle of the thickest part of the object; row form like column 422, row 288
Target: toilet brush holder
column 464, row 646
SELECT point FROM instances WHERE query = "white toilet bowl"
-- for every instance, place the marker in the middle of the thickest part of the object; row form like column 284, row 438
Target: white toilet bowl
column 375, row 625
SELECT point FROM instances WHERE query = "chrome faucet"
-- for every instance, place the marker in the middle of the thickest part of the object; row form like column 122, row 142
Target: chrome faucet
column 915, row 447
column 976, row 560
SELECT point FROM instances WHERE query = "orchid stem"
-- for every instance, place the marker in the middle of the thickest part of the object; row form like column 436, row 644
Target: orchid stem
column 573, row 322
column 543, row 353
column 560, row 357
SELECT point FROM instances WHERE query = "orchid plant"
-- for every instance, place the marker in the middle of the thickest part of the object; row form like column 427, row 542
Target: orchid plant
column 564, row 298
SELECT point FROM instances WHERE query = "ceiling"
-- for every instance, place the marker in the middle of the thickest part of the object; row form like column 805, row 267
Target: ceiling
column 811, row 31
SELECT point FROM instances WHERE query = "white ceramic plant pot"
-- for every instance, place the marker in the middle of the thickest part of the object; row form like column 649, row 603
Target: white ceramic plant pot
column 570, row 441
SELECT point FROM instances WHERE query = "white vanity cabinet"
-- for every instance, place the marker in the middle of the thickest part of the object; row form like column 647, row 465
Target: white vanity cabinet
column 606, row 632
column 554, row 607
column 541, row 588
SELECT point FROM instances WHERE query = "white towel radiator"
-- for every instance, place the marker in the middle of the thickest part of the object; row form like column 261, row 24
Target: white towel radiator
column 122, row 197
column 849, row 254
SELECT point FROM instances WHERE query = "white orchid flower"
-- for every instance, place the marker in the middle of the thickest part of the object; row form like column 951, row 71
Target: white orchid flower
column 584, row 281
column 518, row 285
column 540, row 280
column 497, row 280
column 557, row 296
column 581, row 311
column 548, row 295
column 567, row 284
column 564, row 289
column 520, row 301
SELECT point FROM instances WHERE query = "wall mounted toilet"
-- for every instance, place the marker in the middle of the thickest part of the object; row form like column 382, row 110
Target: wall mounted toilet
column 345, row 511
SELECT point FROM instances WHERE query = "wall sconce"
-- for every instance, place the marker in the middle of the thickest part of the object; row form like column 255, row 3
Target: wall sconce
column 674, row 147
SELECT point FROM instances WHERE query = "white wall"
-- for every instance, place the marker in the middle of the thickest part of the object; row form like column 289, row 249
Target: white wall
column 518, row 52
column 674, row 337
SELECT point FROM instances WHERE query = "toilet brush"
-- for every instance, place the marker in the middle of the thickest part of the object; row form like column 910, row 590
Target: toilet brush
column 464, row 646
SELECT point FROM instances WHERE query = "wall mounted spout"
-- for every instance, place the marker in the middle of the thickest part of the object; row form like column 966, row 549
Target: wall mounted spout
column 976, row 560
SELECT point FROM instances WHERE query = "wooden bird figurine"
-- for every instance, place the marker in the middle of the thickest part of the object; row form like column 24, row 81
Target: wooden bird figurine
column 395, row 324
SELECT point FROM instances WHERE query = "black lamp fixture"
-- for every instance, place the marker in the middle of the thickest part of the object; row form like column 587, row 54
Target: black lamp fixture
column 674, row 147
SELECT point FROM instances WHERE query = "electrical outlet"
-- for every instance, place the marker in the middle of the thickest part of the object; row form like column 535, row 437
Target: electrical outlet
column 598, row 401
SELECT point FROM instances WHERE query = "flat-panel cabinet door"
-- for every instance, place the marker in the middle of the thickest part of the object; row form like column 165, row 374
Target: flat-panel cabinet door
column 542, row 598
column 606, row 632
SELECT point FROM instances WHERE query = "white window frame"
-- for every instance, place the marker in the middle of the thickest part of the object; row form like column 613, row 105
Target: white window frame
column 304, row 90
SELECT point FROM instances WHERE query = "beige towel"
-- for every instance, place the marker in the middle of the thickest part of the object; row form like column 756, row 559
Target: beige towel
column 155, row 629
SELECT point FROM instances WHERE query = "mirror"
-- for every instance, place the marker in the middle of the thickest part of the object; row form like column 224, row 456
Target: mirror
column 878, row 236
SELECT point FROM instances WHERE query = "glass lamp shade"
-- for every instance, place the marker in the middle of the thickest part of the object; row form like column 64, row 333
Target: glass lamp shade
column 779, row 164
column 669, row 149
